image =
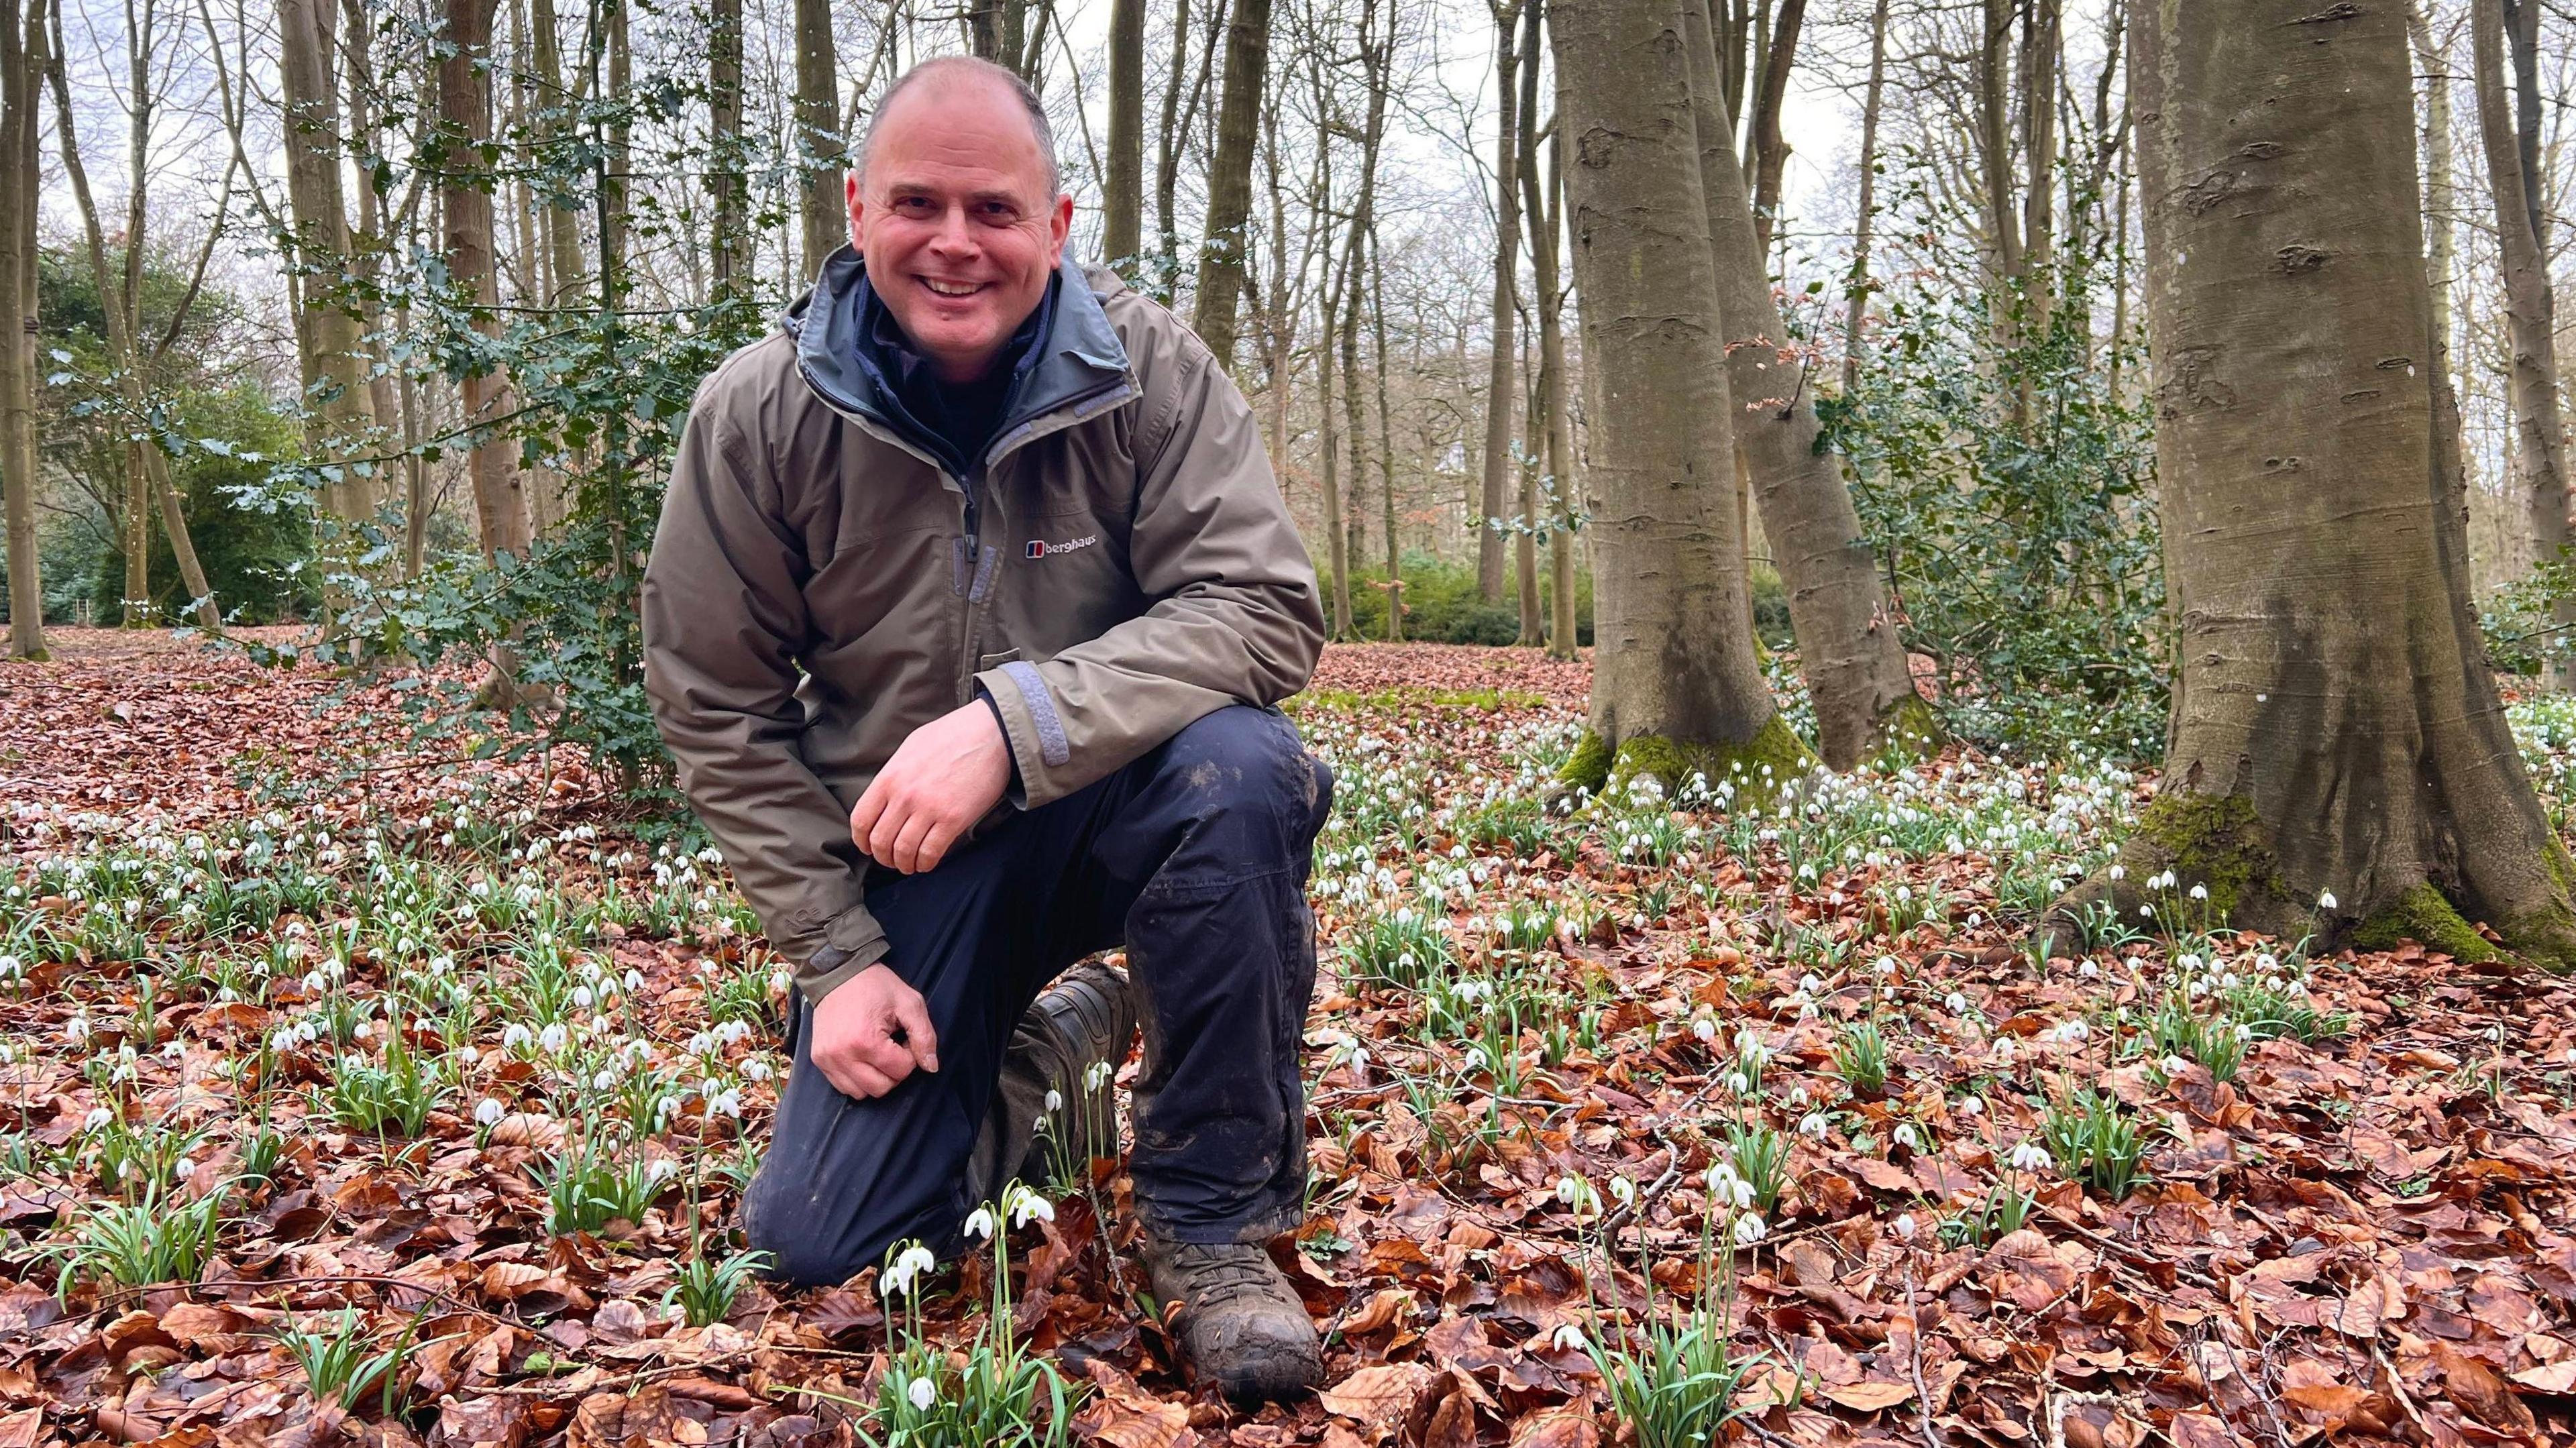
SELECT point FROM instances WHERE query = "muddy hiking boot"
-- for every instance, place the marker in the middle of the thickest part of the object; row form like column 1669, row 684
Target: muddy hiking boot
column 1066, row 1049
column 1239, row 1319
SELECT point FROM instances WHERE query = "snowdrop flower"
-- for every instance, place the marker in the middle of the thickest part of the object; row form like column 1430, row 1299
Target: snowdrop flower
column 1908, row 1137
column 1569, row 1337
column 76, row 1031
column 1815, row 1125
column 979, row 1224
column 2029, row 1156
column 2326, row 901
column 923, row 1393
column 1578, row 1196
column 1904, row 1226
column 98, row 1116
column 1705, row 1029
column 756, row 1069
column 909, row 1264
column 1054, row 1100
column 186, row 1168
column 1886, row 965
column 364, row 1030
column 2116, row 872
column 1022, row 1205
column 1956, row 1002
column 604, row 1081
column 2174, row 1065
column 554, row 1036
column 488, row 1112
column 1750, row 1229
column 1972, row 1107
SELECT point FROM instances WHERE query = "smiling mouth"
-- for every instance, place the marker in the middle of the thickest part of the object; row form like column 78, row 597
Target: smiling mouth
column 951, row 289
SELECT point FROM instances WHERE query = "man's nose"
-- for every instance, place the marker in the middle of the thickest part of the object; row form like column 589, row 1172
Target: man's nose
column 954, row 237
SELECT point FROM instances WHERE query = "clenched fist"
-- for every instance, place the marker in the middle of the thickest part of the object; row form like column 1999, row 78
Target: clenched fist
column 942, row 779
column 871, row 1032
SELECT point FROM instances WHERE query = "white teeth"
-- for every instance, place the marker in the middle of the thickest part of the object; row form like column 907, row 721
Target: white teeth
column 953, row 289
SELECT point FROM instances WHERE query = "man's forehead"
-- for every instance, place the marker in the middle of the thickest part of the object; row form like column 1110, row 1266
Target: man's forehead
column 940, row 134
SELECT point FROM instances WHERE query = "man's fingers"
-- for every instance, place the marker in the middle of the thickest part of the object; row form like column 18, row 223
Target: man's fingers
column 864, row 814
column 886, row 1056
column 935, row 848
column 907, row 845
column 888, row 829
column 914, row 1016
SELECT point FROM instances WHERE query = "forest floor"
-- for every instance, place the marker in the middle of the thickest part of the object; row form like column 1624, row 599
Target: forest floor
column 356, row 1089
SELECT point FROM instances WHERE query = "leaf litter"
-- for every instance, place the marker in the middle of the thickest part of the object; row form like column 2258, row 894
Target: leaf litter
column 329, row 1048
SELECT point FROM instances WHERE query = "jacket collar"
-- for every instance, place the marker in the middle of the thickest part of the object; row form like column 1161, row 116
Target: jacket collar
column 1075, row 358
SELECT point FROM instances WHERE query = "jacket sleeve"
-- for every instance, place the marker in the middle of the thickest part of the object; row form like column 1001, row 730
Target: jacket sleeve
column 1237, row 616
column 724, row 619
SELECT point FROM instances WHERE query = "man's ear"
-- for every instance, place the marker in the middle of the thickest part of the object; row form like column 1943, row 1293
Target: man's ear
column 1060, row 223
column 858, row 209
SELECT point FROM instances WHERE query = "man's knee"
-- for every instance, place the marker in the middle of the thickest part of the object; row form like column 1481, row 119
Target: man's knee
column 1242, row 761
column 798, row 1246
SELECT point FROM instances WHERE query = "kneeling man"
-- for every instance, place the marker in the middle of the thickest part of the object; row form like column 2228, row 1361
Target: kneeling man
column 970, row 600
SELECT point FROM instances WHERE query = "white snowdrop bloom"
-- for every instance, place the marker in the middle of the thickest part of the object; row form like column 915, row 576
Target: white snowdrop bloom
column 1031, row 1207
column 634, row 979
column 1750, row 1229
column 726, row 1103
column 1054, row 1100
column 1904, row 1225
column 98, row 1116
column 1886, row 965
column 1956, row 1002
column 76, row 1031
column 312, row 981
column 2029, row 1156
column 922, row 1392
column 1738, row 1084
column 1705, row 1029
column 488, row 1112
column 1798, row 1095
column 909, row 1264
column 186, row 1168
column 756, row 1069
column 1809, row 985
column 2200, row 892
column 1972, row 1107
column 582, row 997
column 604, row 1081
column 1908, row 1137
column 2326, row 901
column 2174, row 1065
column 1624, row 1189
column 1569, row 1338
column 2117, row 873
column 979, row 1224
column 363, row 1030
column 2089, row 971
column 554, row 1036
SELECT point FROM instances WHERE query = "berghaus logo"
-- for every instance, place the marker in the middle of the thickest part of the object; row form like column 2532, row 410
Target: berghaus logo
column 1039, row 548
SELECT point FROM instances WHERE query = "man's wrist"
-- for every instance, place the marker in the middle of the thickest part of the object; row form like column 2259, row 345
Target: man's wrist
column 1002, row 727
column 832, row 967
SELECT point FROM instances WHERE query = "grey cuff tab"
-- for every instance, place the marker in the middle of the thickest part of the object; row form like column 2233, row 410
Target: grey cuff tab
column 1033, row 691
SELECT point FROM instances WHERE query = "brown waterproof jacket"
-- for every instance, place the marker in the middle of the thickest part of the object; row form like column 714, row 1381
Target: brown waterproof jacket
column 1117, row 564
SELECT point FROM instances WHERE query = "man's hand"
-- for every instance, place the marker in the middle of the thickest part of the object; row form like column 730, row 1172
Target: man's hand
column 942, row 779
column 871, row 1032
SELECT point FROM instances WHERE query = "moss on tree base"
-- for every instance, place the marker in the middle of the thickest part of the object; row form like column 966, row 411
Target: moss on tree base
column 2212, row 840
column 2423, row 916
column 1672, row 763
column 1909, row 730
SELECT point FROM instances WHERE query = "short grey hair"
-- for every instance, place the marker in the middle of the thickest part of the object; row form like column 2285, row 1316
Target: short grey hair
column 961, row 67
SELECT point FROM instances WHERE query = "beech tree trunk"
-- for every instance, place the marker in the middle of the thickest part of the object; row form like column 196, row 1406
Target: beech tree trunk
column 2530, row 304
column 821, row 153
column 1770, row 148
column 1857, row 286
column 1229, row 182
column 1547, row 222
column 2335, row 728
column 1847, row 643
column 730, row 251
column 1533, row 417
column 22, row 50
column 1493, row 500
column 1385, row 438
column 334, row 352
column 1122, row 202
column 464, row 99
column 2440, row 186
column 1675, row 685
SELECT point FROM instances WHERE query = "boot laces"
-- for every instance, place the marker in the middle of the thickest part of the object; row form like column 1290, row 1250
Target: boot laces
column 1219, row 1272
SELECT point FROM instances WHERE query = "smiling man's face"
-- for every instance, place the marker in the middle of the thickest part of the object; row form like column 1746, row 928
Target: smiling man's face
column 955, row 219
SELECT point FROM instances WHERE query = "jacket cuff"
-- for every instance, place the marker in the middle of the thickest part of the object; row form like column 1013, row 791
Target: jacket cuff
column 828, row 968
column 986, row 695
column 1034, row 730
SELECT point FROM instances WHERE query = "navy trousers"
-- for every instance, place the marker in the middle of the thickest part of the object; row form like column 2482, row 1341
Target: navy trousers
column 1195, row 857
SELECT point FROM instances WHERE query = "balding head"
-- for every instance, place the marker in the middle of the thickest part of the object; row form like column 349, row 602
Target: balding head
column 929, row 81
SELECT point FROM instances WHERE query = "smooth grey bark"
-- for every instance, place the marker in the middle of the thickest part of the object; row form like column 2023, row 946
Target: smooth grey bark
column 2530, row 303
column 1229, row 206
column 2335, row 727
column 342, row 415
column 1857, row 284
column 1673, row 654
column 1848, row 647
column 1122, row 202
column 821, row 152
column 1770, row 148
column 1498, row 372
column 22, row 51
